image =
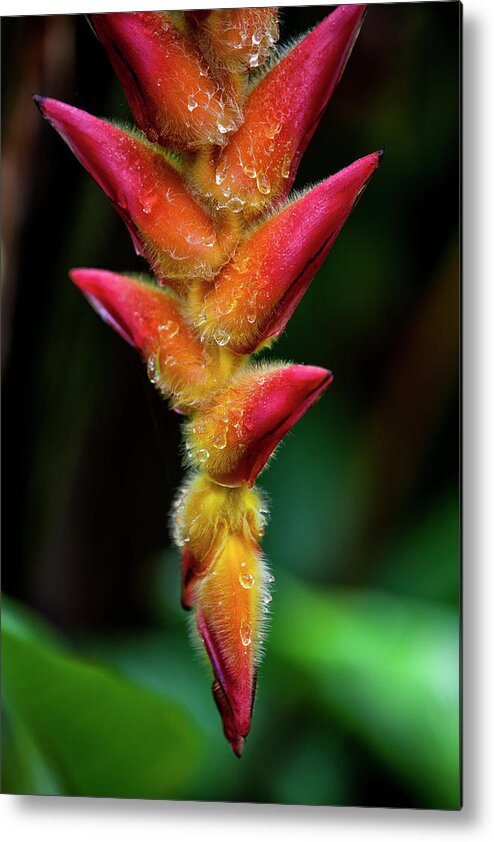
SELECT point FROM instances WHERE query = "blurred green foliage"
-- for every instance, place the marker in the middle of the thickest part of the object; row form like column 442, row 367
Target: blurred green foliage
column 358, row 698
column 134, row 721
column 77, row 728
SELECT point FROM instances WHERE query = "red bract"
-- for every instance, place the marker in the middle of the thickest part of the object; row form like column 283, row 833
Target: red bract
column 280, row 116
column 234, row 436
column 216, row 223
column 152, row 320
column 257, row 291
column 174, row 96
column 166, row 223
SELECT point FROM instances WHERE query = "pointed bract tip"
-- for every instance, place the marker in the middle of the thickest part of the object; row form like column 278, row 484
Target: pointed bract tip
column 136, row 178
column 38, row 101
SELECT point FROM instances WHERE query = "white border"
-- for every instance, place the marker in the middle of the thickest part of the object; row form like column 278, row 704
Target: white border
column 54, row 819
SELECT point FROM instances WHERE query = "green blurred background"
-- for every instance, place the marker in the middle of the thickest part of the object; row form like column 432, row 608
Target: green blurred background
column 358, row 697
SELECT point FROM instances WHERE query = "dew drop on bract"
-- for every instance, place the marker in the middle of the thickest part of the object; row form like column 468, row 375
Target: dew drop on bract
column 202, row 455
column 225, row 124
column 250, row 171
column 285, row 167
column 221, row 173
column 220, row 440
column 263, row 185
column 169, row 329
column 245, row 633
column 246, row 580
column 221, row 337
column 153, row 370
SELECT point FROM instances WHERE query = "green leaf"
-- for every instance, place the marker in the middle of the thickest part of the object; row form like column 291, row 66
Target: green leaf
column 388, row 669
column 76, row 728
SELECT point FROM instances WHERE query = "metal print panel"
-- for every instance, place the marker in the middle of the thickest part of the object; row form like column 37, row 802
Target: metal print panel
column 288, row 635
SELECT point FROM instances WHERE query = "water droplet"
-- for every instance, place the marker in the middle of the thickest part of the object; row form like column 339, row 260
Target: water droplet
column 168, row 330
column 221, row 173
column 245, row 633
column 202, row 455
column 270, row 578
column 170, row 362
column 227, row 307
column 251, row 317
column 261, row 532
column 224, row 124
column 263, row 185
column 221, row 337
column 153, row 369
column 246, row 580
column 250, row 171
column 220, row 441
column 267, row 599
column 235, row 204
column 148, row 202
column 191, row 103
column 285, row 167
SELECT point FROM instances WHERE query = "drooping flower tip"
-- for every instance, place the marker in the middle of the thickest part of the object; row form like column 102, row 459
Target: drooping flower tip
column 231, row 598
column 173, row 94
column 234, row 437
column 230, row 729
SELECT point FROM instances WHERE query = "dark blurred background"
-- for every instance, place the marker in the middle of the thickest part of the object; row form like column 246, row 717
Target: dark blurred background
column 358, row 698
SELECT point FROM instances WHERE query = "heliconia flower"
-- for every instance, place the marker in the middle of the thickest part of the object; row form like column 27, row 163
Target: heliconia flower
column 233, row 437
column 166, row 223
column 239, row 38
column 174, row 96
column 152, row 319
column 255, row 294
column 281, row 114
column 230, row 620
column 216, row 224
